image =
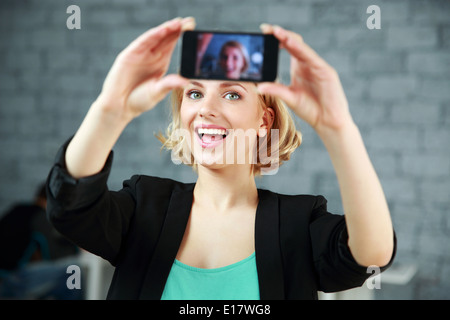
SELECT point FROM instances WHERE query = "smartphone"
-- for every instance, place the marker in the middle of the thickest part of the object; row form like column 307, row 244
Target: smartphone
column 229, row 56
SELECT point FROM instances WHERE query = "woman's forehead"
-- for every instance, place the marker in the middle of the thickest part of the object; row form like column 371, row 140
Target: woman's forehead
column 223, row 84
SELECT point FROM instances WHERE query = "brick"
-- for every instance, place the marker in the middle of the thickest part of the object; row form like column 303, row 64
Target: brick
column 18, row 60
column 385, row 164
column 317, row 161
column 445, row 36
column 433, row 244
column 405, row 138
column 17, row 105
column 370, row 62
column 289, row 16
column 150, row 16
column 207, row 17
column 8, row 83
column 48, row 38
column 435, row 190
column 355, row 87
column 230, row 18
column 100, row 60
column 423, row 12
column 65, row 60
column 400, row 37
column 27, row 19
column 14, row 40
column 394, row 12
column 416, row 113
column 88, row 38
column 399, row 189
column 388, row 88
column 105, row 18
column 359, row 37
column 336, row 13
column 437, row 139
column 120, row 39
column 425, row 165
column 430, row 63
column 6, row 20
column 446, row 115
column 341, row 61
column 318, row 37
column 369, row 113
column 433, row 88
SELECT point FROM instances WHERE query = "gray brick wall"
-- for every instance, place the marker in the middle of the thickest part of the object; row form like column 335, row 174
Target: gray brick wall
column 397, row 80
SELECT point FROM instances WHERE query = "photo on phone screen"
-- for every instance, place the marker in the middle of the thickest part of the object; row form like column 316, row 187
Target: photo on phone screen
column 229, row 56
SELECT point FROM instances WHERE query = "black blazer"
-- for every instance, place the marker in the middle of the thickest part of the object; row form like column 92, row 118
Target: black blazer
column 300, row 247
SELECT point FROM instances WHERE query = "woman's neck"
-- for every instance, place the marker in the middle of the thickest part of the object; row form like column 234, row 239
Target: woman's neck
column 222, row 189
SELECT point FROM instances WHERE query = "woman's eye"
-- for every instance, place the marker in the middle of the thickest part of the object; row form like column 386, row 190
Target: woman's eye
column 232, row 96
column 195, row 95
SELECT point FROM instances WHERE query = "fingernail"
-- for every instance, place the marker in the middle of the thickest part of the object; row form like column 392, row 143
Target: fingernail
column 188, row 23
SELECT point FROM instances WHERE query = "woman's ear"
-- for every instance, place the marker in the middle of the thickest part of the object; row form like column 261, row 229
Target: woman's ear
column 266, row 121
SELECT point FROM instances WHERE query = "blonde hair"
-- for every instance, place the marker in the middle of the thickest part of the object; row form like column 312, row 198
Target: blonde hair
column 289, row 138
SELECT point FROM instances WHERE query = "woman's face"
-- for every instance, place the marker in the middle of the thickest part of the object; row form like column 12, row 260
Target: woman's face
column 232, row 62
column 222, row 120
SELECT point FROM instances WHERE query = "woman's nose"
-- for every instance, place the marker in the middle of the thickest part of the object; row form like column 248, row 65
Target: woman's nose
column 209, row 108
column 230, row 63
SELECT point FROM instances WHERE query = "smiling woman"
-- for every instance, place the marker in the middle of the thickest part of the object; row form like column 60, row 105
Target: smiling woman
column 271, row 143
column 221, row 237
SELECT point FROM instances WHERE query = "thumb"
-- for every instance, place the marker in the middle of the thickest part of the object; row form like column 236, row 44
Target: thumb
column 148, row 94
column 168, row 83
column 279, row 90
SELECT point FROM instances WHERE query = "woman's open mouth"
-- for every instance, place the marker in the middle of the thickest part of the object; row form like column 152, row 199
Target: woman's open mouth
column 210, row 137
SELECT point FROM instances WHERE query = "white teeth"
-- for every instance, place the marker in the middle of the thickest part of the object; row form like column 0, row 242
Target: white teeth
column 212, row 131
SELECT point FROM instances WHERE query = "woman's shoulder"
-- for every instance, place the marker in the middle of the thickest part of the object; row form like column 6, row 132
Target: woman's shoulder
column 157, row 184
column 294, row 198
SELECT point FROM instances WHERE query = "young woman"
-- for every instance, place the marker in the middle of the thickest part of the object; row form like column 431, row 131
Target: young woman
column 221, row 237
column 233, row 59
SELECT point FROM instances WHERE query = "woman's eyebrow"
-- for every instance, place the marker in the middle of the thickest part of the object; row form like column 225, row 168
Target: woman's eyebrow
column 196, row 83
column 230, row 84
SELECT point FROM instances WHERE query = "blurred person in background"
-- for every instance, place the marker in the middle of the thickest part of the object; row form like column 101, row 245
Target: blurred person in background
column 33, row 253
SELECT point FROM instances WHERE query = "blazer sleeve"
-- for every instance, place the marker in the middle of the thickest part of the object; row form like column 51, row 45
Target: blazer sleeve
column 336, row 268
column 86, row 212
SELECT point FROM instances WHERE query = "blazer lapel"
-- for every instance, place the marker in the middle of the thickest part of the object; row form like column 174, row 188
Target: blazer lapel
column 267, row 247
column 168, row 244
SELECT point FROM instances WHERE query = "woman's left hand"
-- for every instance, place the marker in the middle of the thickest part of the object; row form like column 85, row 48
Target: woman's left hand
column 315, row 93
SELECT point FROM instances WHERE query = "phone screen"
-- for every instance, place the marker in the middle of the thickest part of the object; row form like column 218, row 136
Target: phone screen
column 229, row 56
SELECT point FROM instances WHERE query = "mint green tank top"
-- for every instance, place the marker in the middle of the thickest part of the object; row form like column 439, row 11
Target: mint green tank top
column 237, row 281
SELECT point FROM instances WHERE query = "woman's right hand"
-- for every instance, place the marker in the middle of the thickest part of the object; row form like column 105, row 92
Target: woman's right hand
column 137, row 80
column 135, row 84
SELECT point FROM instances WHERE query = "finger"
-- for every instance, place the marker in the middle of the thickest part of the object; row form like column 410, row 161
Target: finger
column 153, row 37
column 168, row 83
column 167, row 44
column 295, row 45
column 268, row 29
column 279, row 90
